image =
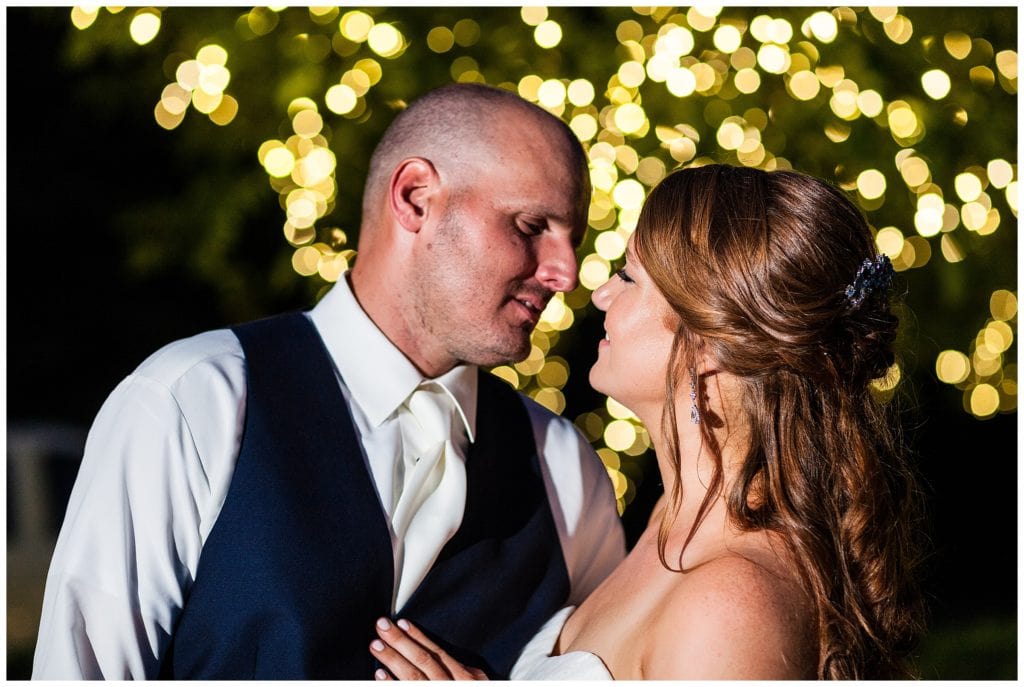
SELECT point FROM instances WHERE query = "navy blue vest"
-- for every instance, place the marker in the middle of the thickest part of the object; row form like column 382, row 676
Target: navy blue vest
column 299, row 564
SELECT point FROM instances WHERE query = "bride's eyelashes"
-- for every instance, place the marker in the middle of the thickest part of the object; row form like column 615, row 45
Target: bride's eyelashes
column 619, row 270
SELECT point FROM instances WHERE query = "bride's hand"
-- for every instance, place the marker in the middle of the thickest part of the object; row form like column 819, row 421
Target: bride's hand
column 410, row 655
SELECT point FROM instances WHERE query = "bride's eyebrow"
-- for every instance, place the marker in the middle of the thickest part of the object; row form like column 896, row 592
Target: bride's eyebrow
column 630, row 254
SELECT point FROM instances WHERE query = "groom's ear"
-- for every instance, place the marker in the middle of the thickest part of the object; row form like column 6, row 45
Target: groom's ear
column 414, row 192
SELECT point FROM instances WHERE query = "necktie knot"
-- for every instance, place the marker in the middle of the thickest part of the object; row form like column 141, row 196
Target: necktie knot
column 430, row 410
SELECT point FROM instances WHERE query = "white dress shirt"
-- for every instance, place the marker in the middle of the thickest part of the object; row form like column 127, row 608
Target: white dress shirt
column 160, row 457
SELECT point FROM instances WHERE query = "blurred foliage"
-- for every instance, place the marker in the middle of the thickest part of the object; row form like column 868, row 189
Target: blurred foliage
column 911, row 110
column 981, row 648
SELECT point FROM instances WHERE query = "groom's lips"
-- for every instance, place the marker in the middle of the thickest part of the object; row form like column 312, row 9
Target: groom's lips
column 531, row 306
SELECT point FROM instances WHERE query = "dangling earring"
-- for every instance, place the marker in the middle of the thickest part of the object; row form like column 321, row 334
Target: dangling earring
column 694, row 412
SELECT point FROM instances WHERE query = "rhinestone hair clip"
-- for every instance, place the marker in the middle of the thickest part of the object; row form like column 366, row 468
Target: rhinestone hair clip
column 874, row 274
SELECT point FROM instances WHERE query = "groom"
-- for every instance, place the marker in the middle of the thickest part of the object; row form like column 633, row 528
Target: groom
column 252, row 499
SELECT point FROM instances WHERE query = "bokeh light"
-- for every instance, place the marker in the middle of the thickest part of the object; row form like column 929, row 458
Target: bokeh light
column 548, row 34
column 936, row 83
column 661, row 87
column 145, row 25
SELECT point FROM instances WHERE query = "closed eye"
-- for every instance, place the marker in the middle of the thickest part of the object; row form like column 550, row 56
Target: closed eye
column 531, row 228
column 624, row 276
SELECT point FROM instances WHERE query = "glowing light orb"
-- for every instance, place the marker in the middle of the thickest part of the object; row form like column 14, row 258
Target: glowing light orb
column 727, row 38
column 225, row 112
column 936, row 84
column 889, row 241
column 870, row 102
column 440, row 39
column 871, row 184
column 355, row 26
column 676, row 42
column 548, row 34
column 145, row 25
column 551, row 93
column 628, row 194
column 984, row 400
column 619, row 435
column 681, row 82
column 902, row 120
column 1000, row 173
column 341, row 99
column 773, row 58
column 385, row 40
column 747, row 80
column 958, row 44
column 730, row 135
column 631, row 74
column 279, row 162
column 967, row 186
column 213, row 78
column 532, row 16
column 212, row 54
column 83, row 17
column 1003, row 305
column 804, row 85
column 630, row 118
column 610, row 245
column 952, row 367
column 584, row 126
column 580, row 92
column 823, row 26
column 594, row 271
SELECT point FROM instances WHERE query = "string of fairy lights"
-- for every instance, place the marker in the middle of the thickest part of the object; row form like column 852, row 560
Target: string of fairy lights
column 701, row 55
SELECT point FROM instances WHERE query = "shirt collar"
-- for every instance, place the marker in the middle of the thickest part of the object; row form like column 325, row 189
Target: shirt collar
column 379, row 377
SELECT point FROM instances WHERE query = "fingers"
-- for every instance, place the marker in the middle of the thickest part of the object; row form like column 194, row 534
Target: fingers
column 397, row 664
column 417, row 635
column 456, row 670
column 406, row 658
column 410, row 655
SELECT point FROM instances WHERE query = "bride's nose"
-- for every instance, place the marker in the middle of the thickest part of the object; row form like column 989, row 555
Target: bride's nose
column 602, row 296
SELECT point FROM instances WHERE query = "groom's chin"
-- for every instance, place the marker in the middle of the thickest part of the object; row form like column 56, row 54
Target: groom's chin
column 508, row 352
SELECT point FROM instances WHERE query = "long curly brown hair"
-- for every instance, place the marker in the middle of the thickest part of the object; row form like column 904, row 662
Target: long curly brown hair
column 755, row 265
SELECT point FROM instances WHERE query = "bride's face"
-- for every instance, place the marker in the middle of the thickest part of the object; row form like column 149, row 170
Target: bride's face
column 632, row 359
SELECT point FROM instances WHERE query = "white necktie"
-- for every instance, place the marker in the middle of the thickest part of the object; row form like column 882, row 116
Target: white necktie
column 433, row 493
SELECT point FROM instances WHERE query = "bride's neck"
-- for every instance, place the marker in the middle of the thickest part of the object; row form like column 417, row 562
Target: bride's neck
column 693, row 470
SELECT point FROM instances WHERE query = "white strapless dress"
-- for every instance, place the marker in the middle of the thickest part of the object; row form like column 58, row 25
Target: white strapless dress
column 537, row 663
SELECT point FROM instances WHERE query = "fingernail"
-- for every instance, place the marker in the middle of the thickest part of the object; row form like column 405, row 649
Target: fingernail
column 404, row 624
column 380, row 674
column 377, row 645
column 383, row 624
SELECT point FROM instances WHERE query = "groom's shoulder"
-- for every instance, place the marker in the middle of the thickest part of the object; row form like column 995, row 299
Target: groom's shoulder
column 213, row 353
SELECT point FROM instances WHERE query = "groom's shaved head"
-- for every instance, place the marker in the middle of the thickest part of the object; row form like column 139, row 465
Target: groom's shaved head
column 455, row 128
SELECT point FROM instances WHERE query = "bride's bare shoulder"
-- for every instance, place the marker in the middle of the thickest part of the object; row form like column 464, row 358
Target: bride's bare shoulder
column 734, row 618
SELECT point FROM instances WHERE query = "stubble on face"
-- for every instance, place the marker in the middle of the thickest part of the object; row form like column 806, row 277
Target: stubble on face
column 461, row 304
column 478, row 292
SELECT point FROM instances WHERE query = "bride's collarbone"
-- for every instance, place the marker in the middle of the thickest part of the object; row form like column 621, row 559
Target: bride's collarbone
column 613, row 622
column 640, row 609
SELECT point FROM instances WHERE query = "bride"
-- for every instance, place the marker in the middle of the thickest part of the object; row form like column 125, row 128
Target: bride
column 744, row 329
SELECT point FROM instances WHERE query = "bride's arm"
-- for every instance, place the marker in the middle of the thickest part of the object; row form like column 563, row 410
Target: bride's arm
column 410, row 655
